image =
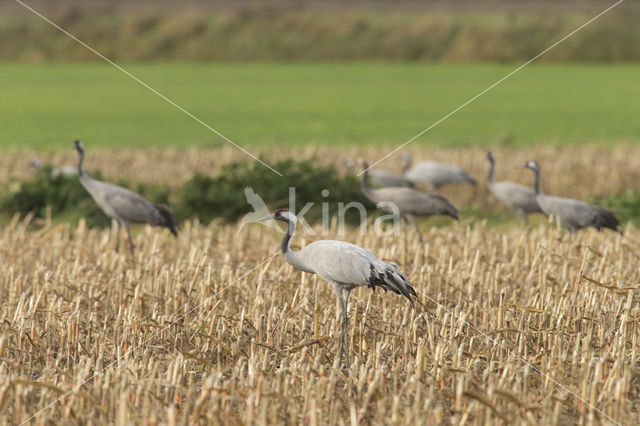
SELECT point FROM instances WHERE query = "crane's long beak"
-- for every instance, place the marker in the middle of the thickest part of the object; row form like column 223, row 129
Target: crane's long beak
column 266, row 219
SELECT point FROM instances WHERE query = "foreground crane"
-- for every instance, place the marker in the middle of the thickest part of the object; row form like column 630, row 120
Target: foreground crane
column 345, row 266
column 123, row 205
column 572, row 214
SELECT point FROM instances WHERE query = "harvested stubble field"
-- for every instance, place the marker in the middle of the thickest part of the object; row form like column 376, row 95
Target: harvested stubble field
column 212, row 328
column 215, row 327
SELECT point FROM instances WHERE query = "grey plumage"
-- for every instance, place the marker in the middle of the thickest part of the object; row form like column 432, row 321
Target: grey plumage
column 380, row 177
column 123, row 205
column 410, row 202
column 515, row 196
column 434, row 174
column 345, row 266
column 572, row 214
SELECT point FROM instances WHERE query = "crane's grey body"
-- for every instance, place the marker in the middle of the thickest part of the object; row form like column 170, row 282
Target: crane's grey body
column 385, row 178
column 410, row 202
column 515, row 196
column 123, row 205
column 572, row 214
column 434, row 174
column 380, row 177
column 345, row 266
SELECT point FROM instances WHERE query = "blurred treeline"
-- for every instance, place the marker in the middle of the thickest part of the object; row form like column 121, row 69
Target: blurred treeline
column 455, row 31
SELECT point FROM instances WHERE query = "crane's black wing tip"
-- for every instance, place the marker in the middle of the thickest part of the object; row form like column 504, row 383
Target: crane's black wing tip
column 168, row 219
column 607, row 219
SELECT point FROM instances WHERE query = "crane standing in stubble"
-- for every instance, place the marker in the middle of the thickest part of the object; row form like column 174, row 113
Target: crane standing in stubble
column 572, row 214
column 122, row 205
column 344, row 265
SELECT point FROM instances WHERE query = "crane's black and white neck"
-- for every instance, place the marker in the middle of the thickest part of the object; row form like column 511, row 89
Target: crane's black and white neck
column 491, row 166
column 291, row 256
column 80, row 148
column 533, row 165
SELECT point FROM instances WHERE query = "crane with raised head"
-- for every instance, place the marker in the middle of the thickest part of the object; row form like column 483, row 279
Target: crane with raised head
column 572, row 214
column 123, row 205
column 517, row 197
column 345, row 266
column 410, row 202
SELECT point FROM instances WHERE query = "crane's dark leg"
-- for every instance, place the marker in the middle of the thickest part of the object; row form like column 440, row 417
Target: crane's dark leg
column 522, row 216
column 117, row 235
column 344, row 302
column 126, row 226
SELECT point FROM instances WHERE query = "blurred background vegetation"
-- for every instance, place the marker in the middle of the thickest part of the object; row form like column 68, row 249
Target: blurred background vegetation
column 314, row 30
column 311, row 73
column 318, row 72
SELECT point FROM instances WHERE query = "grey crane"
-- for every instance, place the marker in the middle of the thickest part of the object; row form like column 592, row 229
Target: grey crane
column 345, row 266
column 410, row 202
column 64, row 170
column 380, row 177
column 572, row 214
column 515, row 196
column 433, row 173
column 123, row 205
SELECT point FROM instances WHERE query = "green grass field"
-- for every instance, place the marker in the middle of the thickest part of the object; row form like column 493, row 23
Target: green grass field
column 47, row 106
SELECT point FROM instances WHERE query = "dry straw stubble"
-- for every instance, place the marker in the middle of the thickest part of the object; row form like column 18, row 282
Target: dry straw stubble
column 162, row 336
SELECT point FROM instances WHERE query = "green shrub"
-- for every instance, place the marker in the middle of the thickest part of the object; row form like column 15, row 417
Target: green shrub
column 626, row 205
column 66, row 197
column 202, row 196
column 223, row 196
column 63, row 194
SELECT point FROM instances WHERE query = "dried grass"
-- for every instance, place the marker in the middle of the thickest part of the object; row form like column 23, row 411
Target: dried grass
column 506, row 329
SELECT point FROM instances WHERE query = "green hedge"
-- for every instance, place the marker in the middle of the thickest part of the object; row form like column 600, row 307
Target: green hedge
column 222, row 196
column 205, row 197
column 626, row 205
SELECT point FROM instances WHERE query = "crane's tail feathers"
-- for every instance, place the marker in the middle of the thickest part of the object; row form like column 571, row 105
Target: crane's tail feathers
column 607, row 219
column 448, row 209
column 392, row 279
column 471, row 180
column 167, row 220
